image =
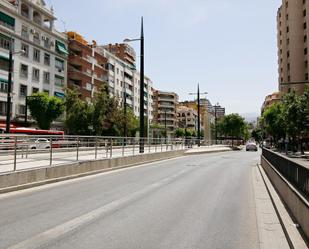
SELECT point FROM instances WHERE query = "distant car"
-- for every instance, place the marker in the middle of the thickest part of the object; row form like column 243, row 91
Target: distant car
column 251, row 147
column 266, row 145
column 39, row 144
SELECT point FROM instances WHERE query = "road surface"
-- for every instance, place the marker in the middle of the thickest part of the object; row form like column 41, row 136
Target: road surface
column 193, row 202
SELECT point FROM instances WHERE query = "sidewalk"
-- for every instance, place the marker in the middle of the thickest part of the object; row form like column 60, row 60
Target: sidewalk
column 208, row 149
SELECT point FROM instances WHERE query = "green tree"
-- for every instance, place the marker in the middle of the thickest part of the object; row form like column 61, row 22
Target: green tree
column 78, row 114
column 180, row 132
column 45, row 109
column 257, row 134
column 232, row 126
column 274, row 121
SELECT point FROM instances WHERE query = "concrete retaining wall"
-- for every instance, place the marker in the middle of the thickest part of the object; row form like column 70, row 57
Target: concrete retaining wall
column 39, row 176
column 297, row 205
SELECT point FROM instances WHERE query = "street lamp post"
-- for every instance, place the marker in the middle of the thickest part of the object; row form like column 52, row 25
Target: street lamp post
column 216, row 120
column 198, row 113
column 9, row 97
column 141, row 116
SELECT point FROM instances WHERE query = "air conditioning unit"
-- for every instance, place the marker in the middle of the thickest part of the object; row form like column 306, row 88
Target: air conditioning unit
column 32, row 31
column 44, row 38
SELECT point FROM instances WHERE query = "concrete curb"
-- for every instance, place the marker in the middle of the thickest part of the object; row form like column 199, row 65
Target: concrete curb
column 206, row 152
column 70, row 177
column 291, row 231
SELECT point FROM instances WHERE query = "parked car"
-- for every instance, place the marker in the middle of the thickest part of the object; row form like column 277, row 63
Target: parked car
column 39, row 144
column 251, row 147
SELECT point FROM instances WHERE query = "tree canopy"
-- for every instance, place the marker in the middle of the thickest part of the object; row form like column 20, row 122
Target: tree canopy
column 45, row 109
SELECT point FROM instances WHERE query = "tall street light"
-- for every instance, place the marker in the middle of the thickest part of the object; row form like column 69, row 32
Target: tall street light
column 141, row 116
column 198, row 113
column 9, row 98
column 216, row 120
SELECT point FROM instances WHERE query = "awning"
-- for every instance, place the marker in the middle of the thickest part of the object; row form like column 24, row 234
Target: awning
column 4, row 81
column 61, row 48
column 4, row 57
column 59, row 95
column 7, row 19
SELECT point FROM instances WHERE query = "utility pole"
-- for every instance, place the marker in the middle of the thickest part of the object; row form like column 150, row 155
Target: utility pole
column 8, row 103
column 198, row 113
column 141, row 116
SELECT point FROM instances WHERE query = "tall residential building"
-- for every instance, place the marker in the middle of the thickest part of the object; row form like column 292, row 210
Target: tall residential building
column 293, row 45
column 123, row 51
column 187, row 118
column 29, row 26
column 86, row 67
column 165, row 110
column 219, row 111
column 270, row 100
column 124, row 80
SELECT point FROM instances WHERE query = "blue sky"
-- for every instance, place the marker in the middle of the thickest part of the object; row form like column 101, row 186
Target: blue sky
column 228, row 46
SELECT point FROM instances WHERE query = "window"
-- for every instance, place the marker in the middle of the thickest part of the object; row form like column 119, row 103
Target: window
column 59, row 64
column 46, row 77
column 3, row 86
column 59, row 81
column 306, row 64
column 35, row 90
column 4, row 64
column 7, row 21
column 305, row 25
column 36, row 38
column 36, row 55
column 47, row 42
column 288, row 41
column 305, row 38
column 288, row 66
column 287, row 29
column 306, row 76
column 288, row 54
column 3, row 108
column 5, row 42
column 25, row 48
column 23, row 91
column 23, row 71
column 22, row 109
column 304, row 13
column 305, row 51
column 24, row 32
column 35, row 74
column 46, row 91
column 47, row 59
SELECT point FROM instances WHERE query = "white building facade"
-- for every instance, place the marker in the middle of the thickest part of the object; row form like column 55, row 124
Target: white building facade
column 124, row 80
column 42, row 67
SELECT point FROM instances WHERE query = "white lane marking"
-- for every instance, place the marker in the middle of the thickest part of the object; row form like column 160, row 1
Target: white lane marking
column 80, row 179
column 60, row 230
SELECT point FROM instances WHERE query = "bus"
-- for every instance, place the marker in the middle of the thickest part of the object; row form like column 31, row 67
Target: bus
column 31, row 131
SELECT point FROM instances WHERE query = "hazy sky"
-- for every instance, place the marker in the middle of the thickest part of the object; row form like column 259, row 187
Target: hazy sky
column 228, row 46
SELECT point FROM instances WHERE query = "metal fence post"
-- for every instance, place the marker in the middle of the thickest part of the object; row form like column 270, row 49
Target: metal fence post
column 77, row 148
column 155, row 141
column 51, row 151
column 133, row 146
column 123, row 147
column 111, row 148
column 149, row 145
column 96, row 148
column 15, row 153
column 161, row 145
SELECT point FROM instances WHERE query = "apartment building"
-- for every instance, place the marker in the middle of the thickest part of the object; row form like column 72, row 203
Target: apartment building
column 293, row 45
column 29, row 26
column 165, row 110
column 219, row 111
column 124, row 82
column 86, row 66
column 187, row 118
column 123, row 51
column 270, row 100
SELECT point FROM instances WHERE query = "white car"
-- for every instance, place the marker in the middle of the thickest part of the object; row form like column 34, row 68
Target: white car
column 39, row 144
column 251, row 147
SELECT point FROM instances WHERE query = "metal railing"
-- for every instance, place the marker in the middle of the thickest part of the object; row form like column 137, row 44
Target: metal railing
column 293, row 172
column 20, row 152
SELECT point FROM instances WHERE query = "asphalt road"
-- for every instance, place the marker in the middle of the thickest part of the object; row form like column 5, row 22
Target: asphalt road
column 193, row 202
